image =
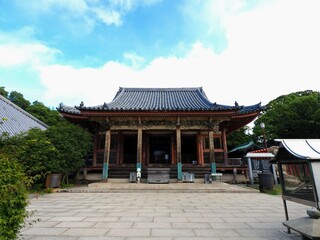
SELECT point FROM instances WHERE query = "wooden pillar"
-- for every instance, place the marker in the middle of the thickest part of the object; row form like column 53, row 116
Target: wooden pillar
column 211, row 151
column 179, row 162
column 139, row 147
column 224, row 144
column 173, row 151
column 200, row 148
column 95, row 148
column 120, row 148
column 106, row 155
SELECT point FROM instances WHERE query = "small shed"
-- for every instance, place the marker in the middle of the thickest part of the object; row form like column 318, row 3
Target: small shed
column 299, row 170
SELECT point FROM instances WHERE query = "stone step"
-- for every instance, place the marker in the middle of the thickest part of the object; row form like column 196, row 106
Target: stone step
column 172, row 187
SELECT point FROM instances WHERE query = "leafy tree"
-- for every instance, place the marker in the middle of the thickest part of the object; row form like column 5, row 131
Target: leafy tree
column 13, row 198
column 44, row 114
column 18, row 99
column 296, row 115
column 73, row 144
column 238, row 137
column 3, row 92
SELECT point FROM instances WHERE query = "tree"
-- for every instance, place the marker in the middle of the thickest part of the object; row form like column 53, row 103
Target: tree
column 3, row 92
column 238, row 137
column 296, row 115
column 18, row 99
column 44, row 114
column 73, row 144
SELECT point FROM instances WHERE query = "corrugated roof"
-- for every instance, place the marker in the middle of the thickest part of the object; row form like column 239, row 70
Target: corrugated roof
column 14, row 120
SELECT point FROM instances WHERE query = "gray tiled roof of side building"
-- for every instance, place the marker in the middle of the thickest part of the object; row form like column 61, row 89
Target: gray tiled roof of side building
column 14, row 120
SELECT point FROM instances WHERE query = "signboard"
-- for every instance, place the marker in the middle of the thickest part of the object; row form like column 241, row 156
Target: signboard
column 259, row 163
column 260, row 166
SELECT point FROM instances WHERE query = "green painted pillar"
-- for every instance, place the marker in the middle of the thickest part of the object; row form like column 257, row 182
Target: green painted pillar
column 179, row 168
column 213, row 167
column 106, row 155
column 105, row 171
column 139, row 165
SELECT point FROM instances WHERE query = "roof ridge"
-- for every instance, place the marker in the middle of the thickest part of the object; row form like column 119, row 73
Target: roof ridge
column 160, row 89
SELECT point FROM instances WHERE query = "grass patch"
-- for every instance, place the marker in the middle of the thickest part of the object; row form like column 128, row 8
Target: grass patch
column 275, row 191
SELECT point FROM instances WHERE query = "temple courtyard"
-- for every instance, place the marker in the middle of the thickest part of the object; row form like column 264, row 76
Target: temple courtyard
column 160, row 211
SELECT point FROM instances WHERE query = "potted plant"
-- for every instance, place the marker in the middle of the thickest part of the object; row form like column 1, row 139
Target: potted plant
column 55, row 168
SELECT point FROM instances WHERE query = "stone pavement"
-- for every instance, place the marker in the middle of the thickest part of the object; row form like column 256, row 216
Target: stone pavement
column 159, row 215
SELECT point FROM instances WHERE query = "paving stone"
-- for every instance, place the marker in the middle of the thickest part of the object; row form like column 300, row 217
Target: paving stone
column 152, row 225
column 229, row 225
column 101, row 219
column 170, row 219
column 33, row 237
column 67, row 219
column 85, row 232
column 102, row 238
column 197, row 238
column 214, row 233
column 193, row 225
column 75, row 224
column 129, row 232
column 44, row 231
column 206, row 220
column 240, row 219
column 154, row 215
column 267, row 233
column 113, row 225
column 172, row 232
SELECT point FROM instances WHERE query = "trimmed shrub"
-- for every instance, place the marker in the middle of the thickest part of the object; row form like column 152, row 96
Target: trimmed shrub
column 13, row 199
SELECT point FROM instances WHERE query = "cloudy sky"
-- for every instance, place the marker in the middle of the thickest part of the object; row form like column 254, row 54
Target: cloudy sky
column 247, row 51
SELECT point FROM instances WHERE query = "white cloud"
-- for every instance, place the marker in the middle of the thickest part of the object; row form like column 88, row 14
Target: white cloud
column 135, row 60
column 18, row 48
column 108, row 16
column 270, row 52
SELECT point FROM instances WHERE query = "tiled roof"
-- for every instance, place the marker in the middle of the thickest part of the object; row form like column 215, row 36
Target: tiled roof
column 252, row 108
column 68, row 109
column 14, row 120
column 160, row 99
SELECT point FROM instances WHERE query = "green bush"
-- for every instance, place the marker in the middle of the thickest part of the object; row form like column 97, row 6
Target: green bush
column 33, row 151
column 73, row 143
column 13, row 199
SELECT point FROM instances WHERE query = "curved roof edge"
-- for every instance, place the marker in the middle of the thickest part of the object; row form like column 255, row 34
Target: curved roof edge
column 302, row 148
column 162, row 99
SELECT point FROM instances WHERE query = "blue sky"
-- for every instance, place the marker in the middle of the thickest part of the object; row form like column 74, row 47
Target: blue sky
column 84, row 50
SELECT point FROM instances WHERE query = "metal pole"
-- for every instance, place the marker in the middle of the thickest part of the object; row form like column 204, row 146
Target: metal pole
column 250, row 170
column 286, row 213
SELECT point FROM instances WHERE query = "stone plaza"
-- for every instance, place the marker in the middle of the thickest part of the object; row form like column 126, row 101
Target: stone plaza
column 234, row 213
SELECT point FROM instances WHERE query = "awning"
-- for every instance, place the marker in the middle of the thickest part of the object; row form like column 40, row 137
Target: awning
column 302, row 148
column 245, row 146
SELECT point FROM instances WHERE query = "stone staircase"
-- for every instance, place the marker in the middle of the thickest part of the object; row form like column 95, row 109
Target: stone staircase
column 124, row 171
